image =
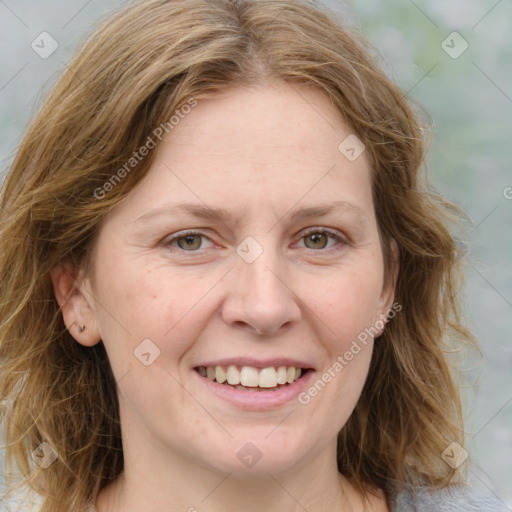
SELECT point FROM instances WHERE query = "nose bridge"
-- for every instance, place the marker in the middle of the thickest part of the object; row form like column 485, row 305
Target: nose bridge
column 258, row 295
column 263, row 278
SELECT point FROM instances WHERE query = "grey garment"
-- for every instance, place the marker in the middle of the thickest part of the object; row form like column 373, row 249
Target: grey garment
column 452, row 498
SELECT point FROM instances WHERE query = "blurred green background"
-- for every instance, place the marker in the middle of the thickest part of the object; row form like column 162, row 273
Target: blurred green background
column 468, row 94
column 469, row 99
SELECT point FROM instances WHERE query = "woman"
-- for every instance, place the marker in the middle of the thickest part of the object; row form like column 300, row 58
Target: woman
column 224, row 284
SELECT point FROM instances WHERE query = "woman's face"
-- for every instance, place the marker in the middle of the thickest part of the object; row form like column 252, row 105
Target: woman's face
column 283, row 268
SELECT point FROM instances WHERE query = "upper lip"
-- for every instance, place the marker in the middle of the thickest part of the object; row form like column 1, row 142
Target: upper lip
column 256, row 363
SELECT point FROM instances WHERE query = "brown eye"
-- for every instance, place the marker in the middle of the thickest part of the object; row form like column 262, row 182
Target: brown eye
column 318, row 240
column 323, row 240
column 189, row 242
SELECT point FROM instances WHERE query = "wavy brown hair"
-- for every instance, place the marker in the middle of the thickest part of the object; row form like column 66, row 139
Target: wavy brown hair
column 139, row 66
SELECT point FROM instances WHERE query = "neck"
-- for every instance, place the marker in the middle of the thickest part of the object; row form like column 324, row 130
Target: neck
column 183, row 485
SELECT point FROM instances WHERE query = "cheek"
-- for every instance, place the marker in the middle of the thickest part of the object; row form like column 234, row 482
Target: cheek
column 147, row 322
column 136, row 303
column 346, row 304
column 349, row 306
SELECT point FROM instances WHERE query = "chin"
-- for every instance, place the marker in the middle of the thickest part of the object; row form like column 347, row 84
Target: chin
column 256, row 456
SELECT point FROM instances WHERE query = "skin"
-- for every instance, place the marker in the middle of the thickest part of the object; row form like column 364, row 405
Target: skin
column 262, row 153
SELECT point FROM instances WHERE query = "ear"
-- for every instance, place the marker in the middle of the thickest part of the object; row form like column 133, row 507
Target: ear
column 77, row 307
column 388, row 292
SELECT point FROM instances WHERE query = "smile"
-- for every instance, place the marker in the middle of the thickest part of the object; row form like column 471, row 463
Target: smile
column 249, row 378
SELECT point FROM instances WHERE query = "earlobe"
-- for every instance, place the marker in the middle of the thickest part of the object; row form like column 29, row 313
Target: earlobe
column 77, row 311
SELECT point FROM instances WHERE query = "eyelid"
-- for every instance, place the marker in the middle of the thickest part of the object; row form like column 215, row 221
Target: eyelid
column 316, row 229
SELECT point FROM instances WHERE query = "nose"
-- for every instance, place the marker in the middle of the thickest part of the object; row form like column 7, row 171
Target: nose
column 259, row 298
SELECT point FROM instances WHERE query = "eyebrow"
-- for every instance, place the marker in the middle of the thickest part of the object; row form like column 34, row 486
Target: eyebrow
column 226, row 216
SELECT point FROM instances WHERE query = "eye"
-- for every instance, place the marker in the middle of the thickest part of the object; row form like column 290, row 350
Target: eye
column 190, row 241
column 318, row 238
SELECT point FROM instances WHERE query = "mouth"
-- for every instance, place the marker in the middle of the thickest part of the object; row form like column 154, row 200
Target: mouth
column 250, row 378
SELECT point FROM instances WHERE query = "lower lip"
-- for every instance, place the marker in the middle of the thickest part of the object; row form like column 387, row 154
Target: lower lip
column 257, row 400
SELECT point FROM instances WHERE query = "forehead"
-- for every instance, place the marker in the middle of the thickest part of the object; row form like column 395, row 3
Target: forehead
column 245, row 121
column 267, row 147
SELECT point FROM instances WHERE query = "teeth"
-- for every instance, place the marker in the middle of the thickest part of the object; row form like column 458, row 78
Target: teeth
column 281, row 375
column 233, row 375
column 250, row 377
column 220, row 374
column 268, row 378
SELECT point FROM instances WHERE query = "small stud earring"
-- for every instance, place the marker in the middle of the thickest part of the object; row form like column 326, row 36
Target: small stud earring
column 81, row 328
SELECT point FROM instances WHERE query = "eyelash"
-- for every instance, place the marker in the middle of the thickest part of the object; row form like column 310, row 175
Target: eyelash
column 331, row 233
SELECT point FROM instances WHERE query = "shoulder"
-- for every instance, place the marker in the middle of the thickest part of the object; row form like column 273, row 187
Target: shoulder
column 452, row 498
